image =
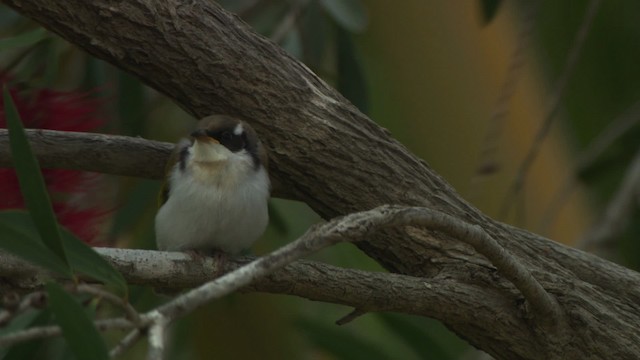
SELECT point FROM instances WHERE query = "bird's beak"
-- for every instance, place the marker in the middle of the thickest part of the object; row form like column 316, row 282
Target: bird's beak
column 201, row 135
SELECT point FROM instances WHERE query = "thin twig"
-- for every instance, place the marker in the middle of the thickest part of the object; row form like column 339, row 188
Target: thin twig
column 287, row 23
column 350, row 228
column 617, row 213
column 488, row 163
column 618, row 127
column 556, row 99
column 356, row 313
column 130, row 312
column 42, row 332
column 354, row 227
column 125, row 343
column 36, row 299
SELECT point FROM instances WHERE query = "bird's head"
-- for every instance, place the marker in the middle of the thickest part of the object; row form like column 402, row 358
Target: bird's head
column 218, row 138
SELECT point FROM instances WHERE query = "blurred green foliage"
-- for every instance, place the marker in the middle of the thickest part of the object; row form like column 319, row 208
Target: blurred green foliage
column 605, row 84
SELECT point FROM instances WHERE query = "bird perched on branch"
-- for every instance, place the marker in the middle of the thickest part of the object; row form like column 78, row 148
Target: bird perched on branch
column 215, row 196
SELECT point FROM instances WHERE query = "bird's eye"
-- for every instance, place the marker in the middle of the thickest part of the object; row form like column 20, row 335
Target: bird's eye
column 231, row 141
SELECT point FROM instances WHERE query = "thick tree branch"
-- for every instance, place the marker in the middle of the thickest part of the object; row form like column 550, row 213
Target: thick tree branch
column 346, row 229
column 107, row 154
column 328, row 154
column 376, row 291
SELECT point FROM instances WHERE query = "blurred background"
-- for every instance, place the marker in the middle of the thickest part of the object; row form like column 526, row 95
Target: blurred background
column 528, row 108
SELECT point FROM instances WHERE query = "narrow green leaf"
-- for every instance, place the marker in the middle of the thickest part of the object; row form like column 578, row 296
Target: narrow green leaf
column 292, row 43
column 352, row 82
column 19, row 323
column 52, row 61
column 23, row 40
column 419, row 340
column 277, row 220
column 78, row 330
column 489, row 10
column 29, row 349
column 139, row 197
column 86, row 261
column 31, row 183
column 94, row 72
column 20, row 239
column 315, row 32
column 9, row 17
column 350, row 14
column 131, row 104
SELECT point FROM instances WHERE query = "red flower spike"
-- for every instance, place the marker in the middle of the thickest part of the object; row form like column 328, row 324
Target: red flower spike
column 68, row 189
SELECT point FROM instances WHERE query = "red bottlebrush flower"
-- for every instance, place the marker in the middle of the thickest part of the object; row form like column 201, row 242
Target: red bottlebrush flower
column 68, row 189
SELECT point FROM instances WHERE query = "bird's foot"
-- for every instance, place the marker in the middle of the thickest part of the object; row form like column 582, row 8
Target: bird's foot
column 220, row 259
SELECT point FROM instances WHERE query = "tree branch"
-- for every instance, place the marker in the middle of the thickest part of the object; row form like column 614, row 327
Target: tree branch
column 556, row 99
column 438, row 298
column 107, row 154
column 54, row 330
column 350, row 228
column 616, row 215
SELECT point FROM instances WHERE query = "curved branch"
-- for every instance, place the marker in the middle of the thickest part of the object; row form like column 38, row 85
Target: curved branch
column 440, row 298
column 107, row 154
column 54, row 330
column 354, row 227
column 350, row 228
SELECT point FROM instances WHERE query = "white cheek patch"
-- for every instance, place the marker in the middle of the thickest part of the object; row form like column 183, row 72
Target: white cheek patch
column 208, row 152
column 238, row 130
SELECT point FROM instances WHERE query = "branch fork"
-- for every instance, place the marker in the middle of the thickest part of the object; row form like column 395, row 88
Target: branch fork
column 350, row 228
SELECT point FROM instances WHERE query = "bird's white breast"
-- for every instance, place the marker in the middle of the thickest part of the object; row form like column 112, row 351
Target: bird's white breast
column 220, row 207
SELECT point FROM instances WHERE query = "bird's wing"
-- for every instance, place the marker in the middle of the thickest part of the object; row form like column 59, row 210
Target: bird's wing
column 176, row 156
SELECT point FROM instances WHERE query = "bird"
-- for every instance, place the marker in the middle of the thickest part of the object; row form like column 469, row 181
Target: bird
column 216, row 193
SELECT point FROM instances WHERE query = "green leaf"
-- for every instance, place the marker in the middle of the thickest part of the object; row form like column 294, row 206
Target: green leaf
column 340, row 343
column 21, row 322
column 31, row 182
column 86, row 261
column 52, row 61
column 315, row 32
column 139, row 197
column 292, row 43
column 277, row 220
column 25, row 350
column 131, row 104
column 20, row 239
column 419, row 340
column 350, row 14
column 23, row 40
column 78, row 330
column 352, row 82
column 489, row 10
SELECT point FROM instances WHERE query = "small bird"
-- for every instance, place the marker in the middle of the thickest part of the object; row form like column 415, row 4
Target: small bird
column 217, row 189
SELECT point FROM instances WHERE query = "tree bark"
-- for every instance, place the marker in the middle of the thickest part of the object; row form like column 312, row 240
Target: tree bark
column 326, row 153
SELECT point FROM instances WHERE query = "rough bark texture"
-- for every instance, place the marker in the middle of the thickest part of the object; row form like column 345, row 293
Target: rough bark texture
column 108, row 154
column 329, row 155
